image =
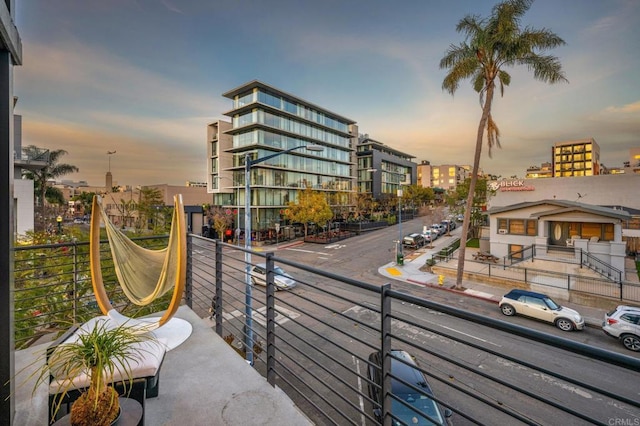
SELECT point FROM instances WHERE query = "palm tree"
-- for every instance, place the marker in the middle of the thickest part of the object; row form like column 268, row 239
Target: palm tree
column 41, row 177
column 491, row 45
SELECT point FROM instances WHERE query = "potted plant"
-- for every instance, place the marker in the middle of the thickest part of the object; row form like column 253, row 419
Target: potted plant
column 102, row 354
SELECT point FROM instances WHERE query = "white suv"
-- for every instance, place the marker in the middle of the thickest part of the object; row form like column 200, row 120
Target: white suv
column 624, row 323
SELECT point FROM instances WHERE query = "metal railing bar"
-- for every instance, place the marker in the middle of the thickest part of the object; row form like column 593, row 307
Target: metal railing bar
column 313, row 403
column 343, row 316
column 322, row 382
column 493, row 378
column 331, row 327
column 597, row 389
column 335, row 344
column 569, row 345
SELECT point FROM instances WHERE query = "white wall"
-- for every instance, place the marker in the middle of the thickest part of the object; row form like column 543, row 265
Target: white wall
column 23, row 194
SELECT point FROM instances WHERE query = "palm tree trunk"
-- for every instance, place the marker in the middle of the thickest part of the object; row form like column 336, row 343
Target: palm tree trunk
column 486, row 109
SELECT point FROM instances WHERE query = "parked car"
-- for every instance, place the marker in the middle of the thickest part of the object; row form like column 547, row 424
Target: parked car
column 450, row 224
column 542, row 307
column 430, row 236
column 405, row 370
column 624, row 323
column 439, row 228
column 413, row 241
column 460, row 218
column 281, row 279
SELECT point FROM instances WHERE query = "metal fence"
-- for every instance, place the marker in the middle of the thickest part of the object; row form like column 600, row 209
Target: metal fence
column 53, row 287
column 623, row 291
column 315, row 342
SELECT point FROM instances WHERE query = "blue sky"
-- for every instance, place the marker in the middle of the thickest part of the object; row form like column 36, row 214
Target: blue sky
column 145, row 77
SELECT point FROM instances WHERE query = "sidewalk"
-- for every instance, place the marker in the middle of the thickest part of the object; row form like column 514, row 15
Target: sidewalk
column 410, row 272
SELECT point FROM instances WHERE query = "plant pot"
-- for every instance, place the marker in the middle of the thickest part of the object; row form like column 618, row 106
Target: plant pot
column 86, row 411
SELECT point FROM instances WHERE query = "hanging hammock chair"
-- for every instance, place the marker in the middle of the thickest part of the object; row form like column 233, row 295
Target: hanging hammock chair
column 143, row 274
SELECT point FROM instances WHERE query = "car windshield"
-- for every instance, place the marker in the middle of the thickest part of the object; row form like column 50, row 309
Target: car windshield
column 551, row 304
column 413, row 417
column 278, row 270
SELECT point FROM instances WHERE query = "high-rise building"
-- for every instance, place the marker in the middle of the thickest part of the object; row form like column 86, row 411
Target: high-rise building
column 576, row 158
column 382, row 169
column 265, row 121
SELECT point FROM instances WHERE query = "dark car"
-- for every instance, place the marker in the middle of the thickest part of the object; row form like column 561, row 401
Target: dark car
column 413, row 241
column 421, row 409
column 542, row 307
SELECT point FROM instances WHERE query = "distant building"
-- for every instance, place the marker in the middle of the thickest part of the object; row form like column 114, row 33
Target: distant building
column 633, row 165
column 545, row 170
column 576, row 158
column 382, row 169
column 446, row 177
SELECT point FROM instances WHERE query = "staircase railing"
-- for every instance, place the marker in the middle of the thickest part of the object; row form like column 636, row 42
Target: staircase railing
column 599, row 266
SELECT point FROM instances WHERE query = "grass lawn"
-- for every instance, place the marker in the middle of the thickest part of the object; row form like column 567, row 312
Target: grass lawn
column 474, row 242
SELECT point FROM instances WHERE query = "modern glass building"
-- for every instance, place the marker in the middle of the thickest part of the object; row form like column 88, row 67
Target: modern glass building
column 266, row 120
column 382, row 169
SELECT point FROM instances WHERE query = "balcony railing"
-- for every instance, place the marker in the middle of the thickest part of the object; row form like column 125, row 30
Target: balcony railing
column 314, row 341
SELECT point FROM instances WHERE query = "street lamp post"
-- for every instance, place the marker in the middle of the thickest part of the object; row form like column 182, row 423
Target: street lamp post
column 248, row 163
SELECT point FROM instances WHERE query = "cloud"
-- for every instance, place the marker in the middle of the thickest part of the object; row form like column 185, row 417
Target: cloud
column 137, row 161
column 170, row 7
column 632, row 110
column 94, row 73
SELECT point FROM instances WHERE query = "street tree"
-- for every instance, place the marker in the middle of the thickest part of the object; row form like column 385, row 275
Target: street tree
column 221, row 219
column 151, row 209
column 365, row 205
column 41, row 177
column 85, row 199
column 417, row 195
column 491, row 45
column 311, row 207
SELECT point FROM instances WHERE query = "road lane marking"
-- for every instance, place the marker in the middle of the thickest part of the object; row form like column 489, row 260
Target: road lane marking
column 309, row 251
column 360, row 398
column 359, row 309
column 282, row 315
column 468, row 335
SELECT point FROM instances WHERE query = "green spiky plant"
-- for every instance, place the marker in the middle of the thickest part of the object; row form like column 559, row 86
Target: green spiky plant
column 101, row 353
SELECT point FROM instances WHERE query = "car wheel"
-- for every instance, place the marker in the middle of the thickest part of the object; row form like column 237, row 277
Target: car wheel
column 631, row 342
column 508, row 310
column 564, row 324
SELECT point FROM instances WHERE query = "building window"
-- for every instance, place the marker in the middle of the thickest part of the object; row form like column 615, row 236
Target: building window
column 527, row 227
column 516, row 226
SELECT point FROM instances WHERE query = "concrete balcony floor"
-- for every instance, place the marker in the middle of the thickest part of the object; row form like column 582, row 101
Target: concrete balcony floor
column 202, row 381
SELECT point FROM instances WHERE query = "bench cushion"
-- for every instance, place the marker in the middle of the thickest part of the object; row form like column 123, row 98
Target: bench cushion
column 145, row 363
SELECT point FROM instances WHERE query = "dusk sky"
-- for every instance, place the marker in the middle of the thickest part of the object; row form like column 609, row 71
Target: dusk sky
column 144, row 78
